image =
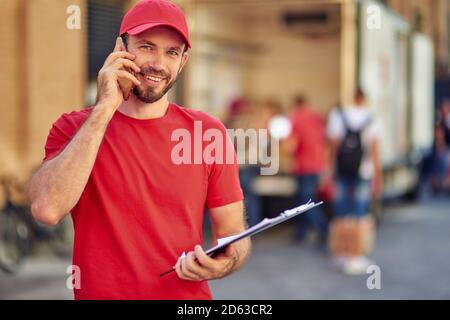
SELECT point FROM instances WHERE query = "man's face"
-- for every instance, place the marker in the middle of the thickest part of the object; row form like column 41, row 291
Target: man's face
column 159, row 54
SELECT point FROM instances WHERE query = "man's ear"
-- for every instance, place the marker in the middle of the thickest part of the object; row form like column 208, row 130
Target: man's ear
column 184, row 60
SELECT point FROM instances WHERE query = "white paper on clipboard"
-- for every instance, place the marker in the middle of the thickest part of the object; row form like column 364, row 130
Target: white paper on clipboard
column 263, row 225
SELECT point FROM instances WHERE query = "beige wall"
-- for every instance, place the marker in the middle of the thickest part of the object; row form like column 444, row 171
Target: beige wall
column 291, row 65
column 246, row 47
column 218, row 63
column 43, row 75
column 304, row 60
column 11, row 105
column 56, row 68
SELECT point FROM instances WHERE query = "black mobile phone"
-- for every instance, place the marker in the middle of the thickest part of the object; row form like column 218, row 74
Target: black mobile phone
column 126, row 85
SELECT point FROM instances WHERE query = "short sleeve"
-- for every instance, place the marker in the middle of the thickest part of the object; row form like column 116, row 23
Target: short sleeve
column 335, row 126
column 374, row 130
column 60, row 134
column 223, row 181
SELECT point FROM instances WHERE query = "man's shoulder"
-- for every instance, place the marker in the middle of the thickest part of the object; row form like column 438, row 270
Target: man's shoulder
column 207, row 120
column 80, row 114
column 76, row 117
column 310, row 112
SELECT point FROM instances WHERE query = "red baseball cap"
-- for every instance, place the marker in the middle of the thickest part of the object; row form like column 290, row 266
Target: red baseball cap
column 153, row 13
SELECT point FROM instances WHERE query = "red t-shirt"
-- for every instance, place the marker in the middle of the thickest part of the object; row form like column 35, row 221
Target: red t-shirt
column 308, row 129
column 139, row 211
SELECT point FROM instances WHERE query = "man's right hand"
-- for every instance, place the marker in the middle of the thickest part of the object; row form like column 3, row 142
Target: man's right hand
column 114, row 69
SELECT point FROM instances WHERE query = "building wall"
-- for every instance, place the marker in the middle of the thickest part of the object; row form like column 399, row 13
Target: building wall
column 294, row 65
column 245, row 50
column 45, row 66
column 11, row 106
column 218, row 63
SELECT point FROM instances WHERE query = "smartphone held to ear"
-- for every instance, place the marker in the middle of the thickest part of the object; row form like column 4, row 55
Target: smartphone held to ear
column 126, row 85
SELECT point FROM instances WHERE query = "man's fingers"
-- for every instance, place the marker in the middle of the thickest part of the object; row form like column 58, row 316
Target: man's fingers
column 117, row 55
column 118, row 46
column 187, row 267
column 128, row 75
column 203, row 258
column 229, row 250
column 118, row 52
column 182, row 271
column 194, row 265
column 121, row 62
column 198, row 266
column 178, row 269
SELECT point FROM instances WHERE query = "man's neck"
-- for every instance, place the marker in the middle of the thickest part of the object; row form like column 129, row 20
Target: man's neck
column 135, row 108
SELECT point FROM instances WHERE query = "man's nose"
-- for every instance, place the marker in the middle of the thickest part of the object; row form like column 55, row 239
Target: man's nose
column 157, row 62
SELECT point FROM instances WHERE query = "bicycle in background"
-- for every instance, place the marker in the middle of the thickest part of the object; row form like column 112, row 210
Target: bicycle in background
column 19, row 231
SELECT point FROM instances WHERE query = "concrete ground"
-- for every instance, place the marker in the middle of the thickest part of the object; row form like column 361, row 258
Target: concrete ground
column 412, row 251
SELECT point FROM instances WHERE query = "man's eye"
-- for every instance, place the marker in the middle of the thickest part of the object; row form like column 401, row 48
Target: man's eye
column 146, row 47
column 173, row 53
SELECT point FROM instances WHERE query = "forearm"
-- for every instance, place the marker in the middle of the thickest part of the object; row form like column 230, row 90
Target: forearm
column 237, row 256
column 376, row 161
column 332, row 154
column 242, row 252
column 57, row 186
column 229, row 221
column 377, row 169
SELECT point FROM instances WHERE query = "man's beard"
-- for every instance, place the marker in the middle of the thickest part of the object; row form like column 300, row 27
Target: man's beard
column 149, row 95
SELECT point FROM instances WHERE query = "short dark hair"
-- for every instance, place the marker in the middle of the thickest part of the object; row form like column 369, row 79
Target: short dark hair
column 125, row 40
column 300, row 99
column 359, row 94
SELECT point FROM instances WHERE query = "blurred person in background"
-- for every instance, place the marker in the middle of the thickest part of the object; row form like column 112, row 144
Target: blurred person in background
column 241, row 115
column 268, row 110
column 252, row 116
column 307, row 146
column 354, row 135
column 440, row 179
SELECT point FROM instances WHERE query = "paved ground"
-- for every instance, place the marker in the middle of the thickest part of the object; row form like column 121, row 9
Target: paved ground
column 412, row 251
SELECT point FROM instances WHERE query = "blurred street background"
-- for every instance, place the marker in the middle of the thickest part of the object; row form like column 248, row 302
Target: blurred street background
column 260, row 64
column 411, row 251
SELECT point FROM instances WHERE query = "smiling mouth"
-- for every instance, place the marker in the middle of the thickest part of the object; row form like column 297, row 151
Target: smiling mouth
column 156, row 79
column 151, row 78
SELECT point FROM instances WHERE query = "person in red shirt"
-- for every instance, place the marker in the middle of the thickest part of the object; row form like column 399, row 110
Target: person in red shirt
column 308, row 147
column 115, row 167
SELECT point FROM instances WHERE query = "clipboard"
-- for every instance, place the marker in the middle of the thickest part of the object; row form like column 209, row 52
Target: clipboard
column 260, row 227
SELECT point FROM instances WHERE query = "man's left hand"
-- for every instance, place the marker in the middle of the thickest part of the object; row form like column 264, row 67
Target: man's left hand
column 198, row 266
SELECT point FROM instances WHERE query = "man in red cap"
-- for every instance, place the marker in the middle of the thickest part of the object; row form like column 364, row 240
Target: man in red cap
column 111, row 166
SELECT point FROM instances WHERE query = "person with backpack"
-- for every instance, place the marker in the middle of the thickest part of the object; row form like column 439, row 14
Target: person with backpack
column 354, row 134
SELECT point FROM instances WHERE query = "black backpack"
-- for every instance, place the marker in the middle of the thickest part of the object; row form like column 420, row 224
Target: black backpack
column 351, row 150
column 446, row 130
